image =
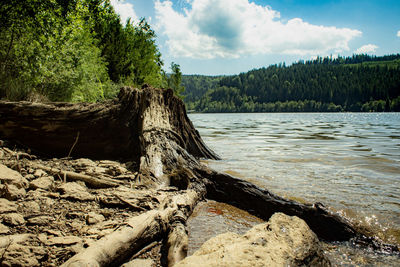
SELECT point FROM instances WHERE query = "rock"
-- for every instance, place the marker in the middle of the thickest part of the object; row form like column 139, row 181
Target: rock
column 112, row 167
column 93, row 218
column 53, row 232
column 5, row 241
column 13, row 219
column 39, row 173
column 4, row 229
column 31, row 206
column 63, row 241
column 282, row 241
column 7, row 206
column 75, row 191
column 18, row 255
column 83, row 163
column 40, row 220
column 29, row 177
column 9, row 176
column 45, row 182
column 12, row 192
column 139, row 263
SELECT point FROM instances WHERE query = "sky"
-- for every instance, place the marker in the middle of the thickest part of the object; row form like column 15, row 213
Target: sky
column 223, row 37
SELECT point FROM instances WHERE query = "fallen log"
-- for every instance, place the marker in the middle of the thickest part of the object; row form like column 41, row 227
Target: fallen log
column 150, row 126
column 115, row 248
column 89, row 180
column 263, row 204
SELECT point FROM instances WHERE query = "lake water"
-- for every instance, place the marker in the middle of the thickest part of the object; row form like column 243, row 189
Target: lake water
column 348, row 161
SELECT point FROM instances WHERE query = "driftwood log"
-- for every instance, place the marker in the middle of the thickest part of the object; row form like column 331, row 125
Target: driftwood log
column 116, row 247
column 150, row 126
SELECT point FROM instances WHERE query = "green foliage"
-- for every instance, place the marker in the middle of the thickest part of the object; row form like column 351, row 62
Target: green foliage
column 197, row 85
column 175, row 79
column 321, row 85
column 73, row 50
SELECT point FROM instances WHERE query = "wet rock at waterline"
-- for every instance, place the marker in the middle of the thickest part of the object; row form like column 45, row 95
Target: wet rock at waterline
column 282, row 241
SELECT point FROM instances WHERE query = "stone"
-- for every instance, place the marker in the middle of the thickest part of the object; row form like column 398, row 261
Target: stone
column 4, row 229
column 9, row 176
column 139, row 263
column 75, row 191
column 5, row 241
column 7, row 206
column 93, row 218
column 39, row 173
column 19, row 255
column 44, row 182
column 40, row 220
column 12, row 192
column 83, row 163
column 31, row 206
column 282, row 241
column 29, row 177
column 13, row 219
column 63, row 240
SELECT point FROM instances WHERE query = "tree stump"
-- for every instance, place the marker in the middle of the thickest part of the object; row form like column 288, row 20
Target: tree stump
column 150, row 127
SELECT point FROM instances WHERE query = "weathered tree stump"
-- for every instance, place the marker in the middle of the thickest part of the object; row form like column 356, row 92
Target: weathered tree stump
column 150, row 126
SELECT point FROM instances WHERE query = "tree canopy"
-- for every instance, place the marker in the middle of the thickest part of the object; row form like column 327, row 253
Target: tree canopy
column 73, row 50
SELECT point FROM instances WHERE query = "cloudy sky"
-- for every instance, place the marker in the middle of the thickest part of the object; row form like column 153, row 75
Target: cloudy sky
column 215, row 37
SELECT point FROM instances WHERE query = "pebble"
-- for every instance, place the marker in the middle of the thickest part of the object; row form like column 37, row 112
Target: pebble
column 13, row 219
column 93, row 218
column 44, row 182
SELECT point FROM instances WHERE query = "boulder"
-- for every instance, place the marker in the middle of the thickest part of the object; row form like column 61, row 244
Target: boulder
column 282, row 241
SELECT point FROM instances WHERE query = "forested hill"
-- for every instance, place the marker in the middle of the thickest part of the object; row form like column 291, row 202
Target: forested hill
column 357, row 83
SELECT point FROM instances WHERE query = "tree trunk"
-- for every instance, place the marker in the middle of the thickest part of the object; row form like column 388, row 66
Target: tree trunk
column 151, row 127
column 117, row 129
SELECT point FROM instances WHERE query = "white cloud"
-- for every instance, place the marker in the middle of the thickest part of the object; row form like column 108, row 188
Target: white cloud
column 125, row 10
column 398, row 34
column 365, row 49
column 232, row 28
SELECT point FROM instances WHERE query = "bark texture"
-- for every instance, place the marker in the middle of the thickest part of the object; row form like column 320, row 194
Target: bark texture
column 116, row 248
column 118, row 129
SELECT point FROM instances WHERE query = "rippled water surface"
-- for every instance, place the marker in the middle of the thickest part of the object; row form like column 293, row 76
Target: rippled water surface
column 348, row 161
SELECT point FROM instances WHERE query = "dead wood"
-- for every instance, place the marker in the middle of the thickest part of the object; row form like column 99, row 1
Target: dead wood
column 139, row 231
column 89, row 180
column 177, row 242
column 262, row 203
column 150, row 127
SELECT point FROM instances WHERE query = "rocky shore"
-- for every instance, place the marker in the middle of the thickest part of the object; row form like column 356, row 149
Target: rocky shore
column 47, row 217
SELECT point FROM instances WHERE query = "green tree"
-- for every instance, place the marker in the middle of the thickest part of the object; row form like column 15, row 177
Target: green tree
column 175, row 80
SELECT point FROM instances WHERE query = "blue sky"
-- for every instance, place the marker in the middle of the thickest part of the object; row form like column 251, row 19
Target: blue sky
column 215, row 37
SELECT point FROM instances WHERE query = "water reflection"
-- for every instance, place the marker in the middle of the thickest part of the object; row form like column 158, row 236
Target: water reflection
column 350, row 161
